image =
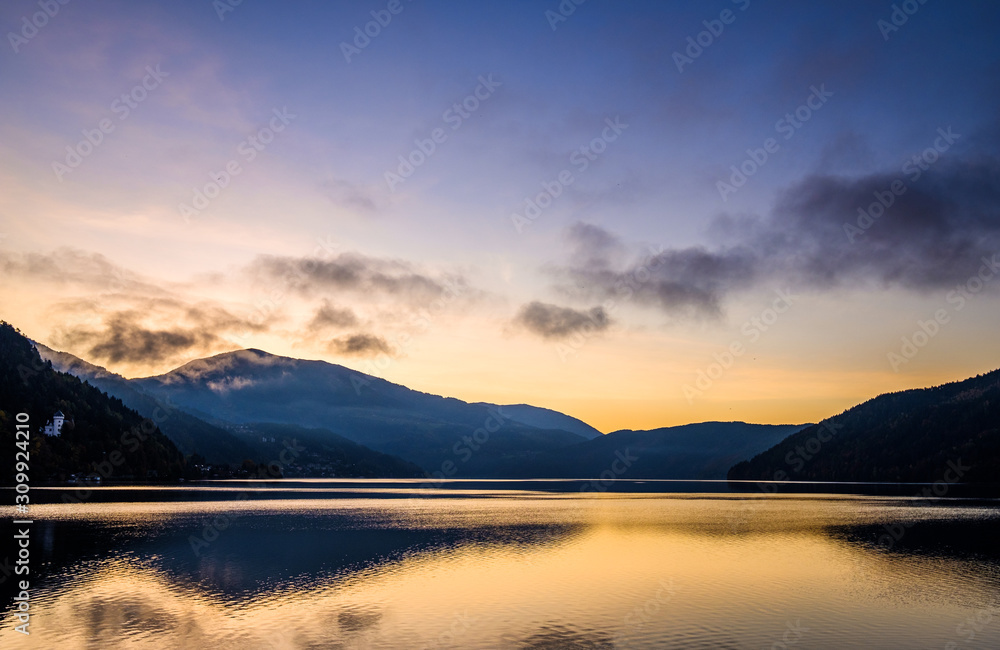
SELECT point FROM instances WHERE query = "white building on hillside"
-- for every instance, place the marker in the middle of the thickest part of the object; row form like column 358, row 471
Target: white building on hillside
column 55, row 425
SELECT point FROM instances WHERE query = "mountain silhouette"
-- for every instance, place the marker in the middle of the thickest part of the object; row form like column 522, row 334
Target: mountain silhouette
column 229, row 406
column 101, row 436
column 916, row 435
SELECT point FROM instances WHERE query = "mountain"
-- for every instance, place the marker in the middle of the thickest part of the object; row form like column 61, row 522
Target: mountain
column 190, row 434
column 100, row 434
column 918, row 435
column 543, row 418
column 303, row 452
column 693, row 452
column 319, row 452
column 438, row 433
column 356, row 424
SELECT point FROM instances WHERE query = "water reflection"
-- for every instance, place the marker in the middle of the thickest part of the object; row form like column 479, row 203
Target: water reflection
column 531, row 570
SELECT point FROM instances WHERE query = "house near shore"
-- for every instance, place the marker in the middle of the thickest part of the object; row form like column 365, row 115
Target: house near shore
column 54, row 426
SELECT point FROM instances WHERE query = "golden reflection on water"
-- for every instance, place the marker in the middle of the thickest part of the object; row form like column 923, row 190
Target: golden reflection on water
column 614, row 571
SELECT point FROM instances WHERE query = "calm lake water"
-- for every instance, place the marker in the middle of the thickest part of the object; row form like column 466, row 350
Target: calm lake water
column 376, row 564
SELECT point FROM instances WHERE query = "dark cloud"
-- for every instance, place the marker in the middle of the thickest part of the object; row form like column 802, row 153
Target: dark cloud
column 692, row 281
column 119, row 317
column 137, row 334
column 329, row 315
column 124, row 339
column 360, row 345
column 353, row 272
column 555, row 322
column 933, row 236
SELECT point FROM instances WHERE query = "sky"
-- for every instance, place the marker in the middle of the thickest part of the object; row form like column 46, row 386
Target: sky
column 641, row 214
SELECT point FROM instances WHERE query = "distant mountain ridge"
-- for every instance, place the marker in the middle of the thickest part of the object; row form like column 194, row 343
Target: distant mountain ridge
column 896, row 437
column 909, row 436
column 254, row 386
column 318, row 452
column 203, row 421
column 544, row 418
column 702, row 451
column 227, row 393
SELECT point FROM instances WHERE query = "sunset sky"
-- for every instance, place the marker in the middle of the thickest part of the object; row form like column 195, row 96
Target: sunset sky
column 180, row 179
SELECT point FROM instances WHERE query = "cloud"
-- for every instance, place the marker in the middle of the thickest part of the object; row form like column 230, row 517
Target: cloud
column 124, row 339
column 351, row 195
column 353, row 272
column 114, row 317
column 74, row 267
column 360, row 345
column 555, row 322
column 110, row 315
column 592, row 246
column 933, row 236
column 149, row 331
column 330, row 316
column 690, row 281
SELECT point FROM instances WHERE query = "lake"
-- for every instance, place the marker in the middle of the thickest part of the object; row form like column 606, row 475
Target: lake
column 507, row 564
